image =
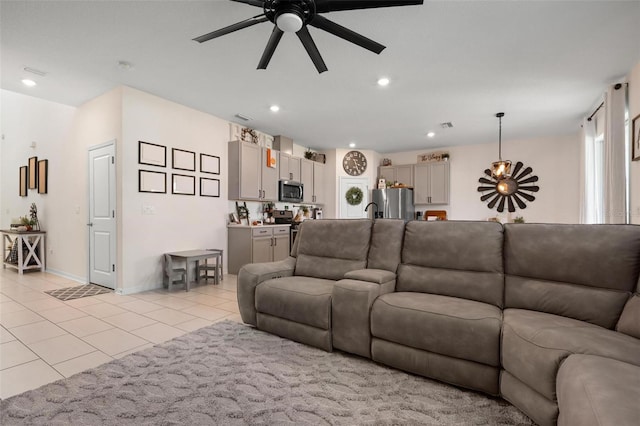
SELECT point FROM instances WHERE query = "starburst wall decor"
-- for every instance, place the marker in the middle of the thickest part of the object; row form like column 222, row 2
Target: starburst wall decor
column 508, row 189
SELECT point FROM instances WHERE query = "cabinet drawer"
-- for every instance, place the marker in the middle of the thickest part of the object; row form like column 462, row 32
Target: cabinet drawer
column 261, row 232
column 280, row 230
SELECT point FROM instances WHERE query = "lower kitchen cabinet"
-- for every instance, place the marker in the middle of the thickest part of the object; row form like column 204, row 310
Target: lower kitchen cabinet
column 256, row 244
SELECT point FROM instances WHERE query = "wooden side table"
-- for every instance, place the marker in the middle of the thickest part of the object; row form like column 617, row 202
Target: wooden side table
column 31, row 249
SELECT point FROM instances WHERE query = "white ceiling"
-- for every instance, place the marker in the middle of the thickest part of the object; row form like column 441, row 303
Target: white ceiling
column 544, row 63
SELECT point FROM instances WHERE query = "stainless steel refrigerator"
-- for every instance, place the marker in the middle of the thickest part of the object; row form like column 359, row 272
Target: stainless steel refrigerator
column 393, row 203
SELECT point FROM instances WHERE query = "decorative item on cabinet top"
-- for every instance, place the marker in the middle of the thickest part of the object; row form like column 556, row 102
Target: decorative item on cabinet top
column 509, row 188
column 236, row 134
column 431, row 157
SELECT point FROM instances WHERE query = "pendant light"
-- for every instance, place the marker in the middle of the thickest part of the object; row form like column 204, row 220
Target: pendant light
column 500, row 169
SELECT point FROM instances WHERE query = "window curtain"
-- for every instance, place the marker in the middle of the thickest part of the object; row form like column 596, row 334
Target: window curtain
column 615, row 158
column 588, row 212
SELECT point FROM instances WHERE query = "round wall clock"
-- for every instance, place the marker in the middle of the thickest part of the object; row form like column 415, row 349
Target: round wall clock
column 509, row 189
column 354, row 163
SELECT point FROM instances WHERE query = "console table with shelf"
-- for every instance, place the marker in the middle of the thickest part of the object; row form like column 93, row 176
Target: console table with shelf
column 30, row 247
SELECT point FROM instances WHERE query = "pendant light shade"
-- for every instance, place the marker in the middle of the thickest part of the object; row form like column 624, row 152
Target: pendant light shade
column 500, row 169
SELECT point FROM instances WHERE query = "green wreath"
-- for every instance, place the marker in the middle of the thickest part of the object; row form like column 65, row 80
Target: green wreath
column 354, row 196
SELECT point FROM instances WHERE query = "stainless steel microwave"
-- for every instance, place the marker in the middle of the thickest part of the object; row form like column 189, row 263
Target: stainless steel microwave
column 290, row 191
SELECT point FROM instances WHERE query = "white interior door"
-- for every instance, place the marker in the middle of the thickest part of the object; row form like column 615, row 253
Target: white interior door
column 102, row 215
column 348, row 211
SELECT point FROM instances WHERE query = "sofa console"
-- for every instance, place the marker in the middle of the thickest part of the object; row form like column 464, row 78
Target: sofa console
column 545, row 316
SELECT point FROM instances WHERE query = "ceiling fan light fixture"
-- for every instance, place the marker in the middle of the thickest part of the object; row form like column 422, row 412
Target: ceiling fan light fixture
column 289, row 22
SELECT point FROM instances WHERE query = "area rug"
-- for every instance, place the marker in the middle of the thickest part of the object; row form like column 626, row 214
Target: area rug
column 231, row 374
column 77, row 292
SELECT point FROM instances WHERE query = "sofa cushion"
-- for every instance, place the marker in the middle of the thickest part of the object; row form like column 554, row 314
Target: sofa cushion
column 534, row 344
column 596, row 391
column 458, row 259
column 386, row 244
column 301, row 299
column 629, row 322
column 587, row 257
column 444, row 325
column 330, row 248
column 378, row 276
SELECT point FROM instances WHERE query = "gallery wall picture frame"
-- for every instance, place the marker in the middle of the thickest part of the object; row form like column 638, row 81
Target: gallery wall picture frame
column 210, row 164
column 152, row 181
column 24, row 177
column 209, row 187
column 635, row 138
column 152, row 154
column 43, row 176
column 33, row 173
column 183, row 184
column 183, row 160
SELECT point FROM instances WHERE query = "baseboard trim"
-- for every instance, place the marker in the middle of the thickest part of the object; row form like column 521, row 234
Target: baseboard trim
column 139, row 289
column 81, row 280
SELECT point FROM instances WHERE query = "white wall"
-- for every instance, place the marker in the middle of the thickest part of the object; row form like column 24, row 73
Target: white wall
column 634, row 110
column 180, row 222
column 26, row 119
column 554, row 160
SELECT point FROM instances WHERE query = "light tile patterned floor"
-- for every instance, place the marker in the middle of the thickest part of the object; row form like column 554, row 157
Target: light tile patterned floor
column 43, row 339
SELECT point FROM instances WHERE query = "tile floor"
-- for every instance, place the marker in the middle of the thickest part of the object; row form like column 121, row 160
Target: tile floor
column 43, row 339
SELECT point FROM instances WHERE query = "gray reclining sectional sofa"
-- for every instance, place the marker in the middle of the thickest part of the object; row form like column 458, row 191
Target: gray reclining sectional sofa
column 545, row 316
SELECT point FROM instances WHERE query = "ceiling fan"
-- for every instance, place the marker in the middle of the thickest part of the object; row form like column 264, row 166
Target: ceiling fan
column 294, row 15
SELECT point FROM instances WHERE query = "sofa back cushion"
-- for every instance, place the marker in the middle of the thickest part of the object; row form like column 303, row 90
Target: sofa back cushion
column 584, row 272
column 453, row 258
column 629, row 322
column 386, row 244
column 329, row 248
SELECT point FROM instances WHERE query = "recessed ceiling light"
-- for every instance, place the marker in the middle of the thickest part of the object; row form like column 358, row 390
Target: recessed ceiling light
column 430, row 134
column 274, row 108
column 384, row 81
column 352, row 145
column 28, row 83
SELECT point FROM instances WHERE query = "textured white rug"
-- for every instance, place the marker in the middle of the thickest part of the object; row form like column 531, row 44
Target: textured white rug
column 228, row 374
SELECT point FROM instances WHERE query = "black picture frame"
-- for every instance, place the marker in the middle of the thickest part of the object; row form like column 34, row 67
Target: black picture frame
column 150, row 181
column 183, row 184
column 183, row 160
column 152, row 154
column 33, row 173
column 43, row 176
column 635, row 138
column 24, row 177
column 209, row 187
column 210, row 164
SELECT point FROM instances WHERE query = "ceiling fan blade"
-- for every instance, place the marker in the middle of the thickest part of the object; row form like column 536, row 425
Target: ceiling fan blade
column 511, row 207
column 231, row 28
column 501, row 205
column 493, row 202
column 485, row 197
column 335, row 5
column 520, row 203
column 311, row 49
column 488, row 173
column 346, row 34
column 276, row 35
column 256, row 3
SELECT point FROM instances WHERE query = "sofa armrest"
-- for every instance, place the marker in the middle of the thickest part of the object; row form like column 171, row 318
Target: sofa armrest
column 253, row 274
column 351, row 302
column 376, row 276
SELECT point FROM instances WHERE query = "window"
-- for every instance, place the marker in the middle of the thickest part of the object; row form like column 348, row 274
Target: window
column 594, row 179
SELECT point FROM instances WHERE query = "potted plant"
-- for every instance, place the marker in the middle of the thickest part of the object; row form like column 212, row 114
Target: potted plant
column 27, row 222
column 518, row 219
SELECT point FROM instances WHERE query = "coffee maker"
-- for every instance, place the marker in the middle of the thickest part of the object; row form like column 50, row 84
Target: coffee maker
column 317, row 213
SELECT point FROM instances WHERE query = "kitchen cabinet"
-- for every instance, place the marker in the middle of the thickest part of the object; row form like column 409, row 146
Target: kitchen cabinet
column 431, row 183
column 312, row 177
column 289, row 167
column 256, row 244
column 249, row 176
column 401, row 174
